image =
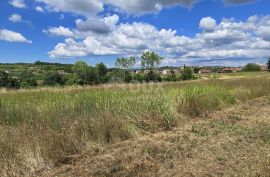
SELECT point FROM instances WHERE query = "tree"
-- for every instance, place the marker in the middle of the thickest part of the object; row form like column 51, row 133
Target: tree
column 187, row 74
column 252, row 67
column 82, row 70
column 101, row 70
column 150, row 60
column 268, row 64
column 125, row 63
column 92, row 76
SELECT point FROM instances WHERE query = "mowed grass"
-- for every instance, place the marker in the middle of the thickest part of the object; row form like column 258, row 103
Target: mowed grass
column 40, row 127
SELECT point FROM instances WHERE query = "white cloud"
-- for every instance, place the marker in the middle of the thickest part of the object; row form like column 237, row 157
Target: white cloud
column 101, row 26
column 91, row 8
column 15, row 18
column 59, row 31
column 81, row 7
column 138, row 7
column 18, row 3
column 39, row 9
column 11, row 36
column 229, row 39
column 264, row 32
column 208, row 23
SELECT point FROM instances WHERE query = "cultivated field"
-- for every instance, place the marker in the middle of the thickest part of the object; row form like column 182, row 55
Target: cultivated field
column 219, row 126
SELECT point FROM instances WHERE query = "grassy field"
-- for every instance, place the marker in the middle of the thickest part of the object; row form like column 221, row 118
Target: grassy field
column 40, row 128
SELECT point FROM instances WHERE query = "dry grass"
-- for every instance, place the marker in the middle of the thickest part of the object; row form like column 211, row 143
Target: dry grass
column 205, row 147
column 41, row 129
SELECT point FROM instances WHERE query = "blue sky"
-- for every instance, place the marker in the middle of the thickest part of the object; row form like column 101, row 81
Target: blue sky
column 192, row 32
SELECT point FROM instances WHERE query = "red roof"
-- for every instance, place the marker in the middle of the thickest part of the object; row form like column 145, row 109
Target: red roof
column 231, row 69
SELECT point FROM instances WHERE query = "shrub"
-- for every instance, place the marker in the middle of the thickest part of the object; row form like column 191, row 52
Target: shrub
column 53, row 79
column 187, row 74
column 9, row 82
column 251, row 67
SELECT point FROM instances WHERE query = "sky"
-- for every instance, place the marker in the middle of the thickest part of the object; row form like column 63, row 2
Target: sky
column 190, row 32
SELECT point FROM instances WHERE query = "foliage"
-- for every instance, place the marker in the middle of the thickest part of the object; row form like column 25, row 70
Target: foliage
column 187, row 74
column 8, row 82
column 150, row 60
column 125, row 63
column 54, row 79
column 39, row 128
column 171, row 77
column 101, row 70
column 251, row 67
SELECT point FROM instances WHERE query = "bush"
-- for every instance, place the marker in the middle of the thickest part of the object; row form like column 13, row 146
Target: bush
column 54, row 79
column 9, row 82
column 171, row 78
column 138, row 77
column 251, row 67
column 187, row 74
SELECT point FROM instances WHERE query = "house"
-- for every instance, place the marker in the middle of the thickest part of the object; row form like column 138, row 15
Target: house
column 176, row 71
column 167, row 72
column 62, row 72
column 264, row 67
column 138, row 72
column 205, row 71
column 32, row 68
column 231, row 70
column 147, row 71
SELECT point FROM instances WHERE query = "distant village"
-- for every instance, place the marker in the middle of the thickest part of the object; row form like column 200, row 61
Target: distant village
column 167, row 70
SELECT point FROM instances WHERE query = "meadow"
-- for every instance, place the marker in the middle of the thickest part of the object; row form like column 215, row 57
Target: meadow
column 40, row 127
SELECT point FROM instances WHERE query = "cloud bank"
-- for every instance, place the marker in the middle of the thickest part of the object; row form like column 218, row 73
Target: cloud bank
column 248, row 39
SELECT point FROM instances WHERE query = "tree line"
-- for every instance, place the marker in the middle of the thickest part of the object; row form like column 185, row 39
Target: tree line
column 82, row 74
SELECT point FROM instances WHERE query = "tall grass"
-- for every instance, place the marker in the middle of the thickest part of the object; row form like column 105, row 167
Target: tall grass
column 40, row 127
column 201, row 100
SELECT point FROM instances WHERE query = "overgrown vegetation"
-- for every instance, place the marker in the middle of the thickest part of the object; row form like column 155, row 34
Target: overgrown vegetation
column 40, row 127
column 252, row 67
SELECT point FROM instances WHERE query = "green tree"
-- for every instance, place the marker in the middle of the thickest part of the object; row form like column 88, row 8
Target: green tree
column 150, row 60
column 268, row 64
column 92, row 76
column 252, row 67
column 82, row 70
column 101, row 70
column 125, row 63
column 187, row 74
